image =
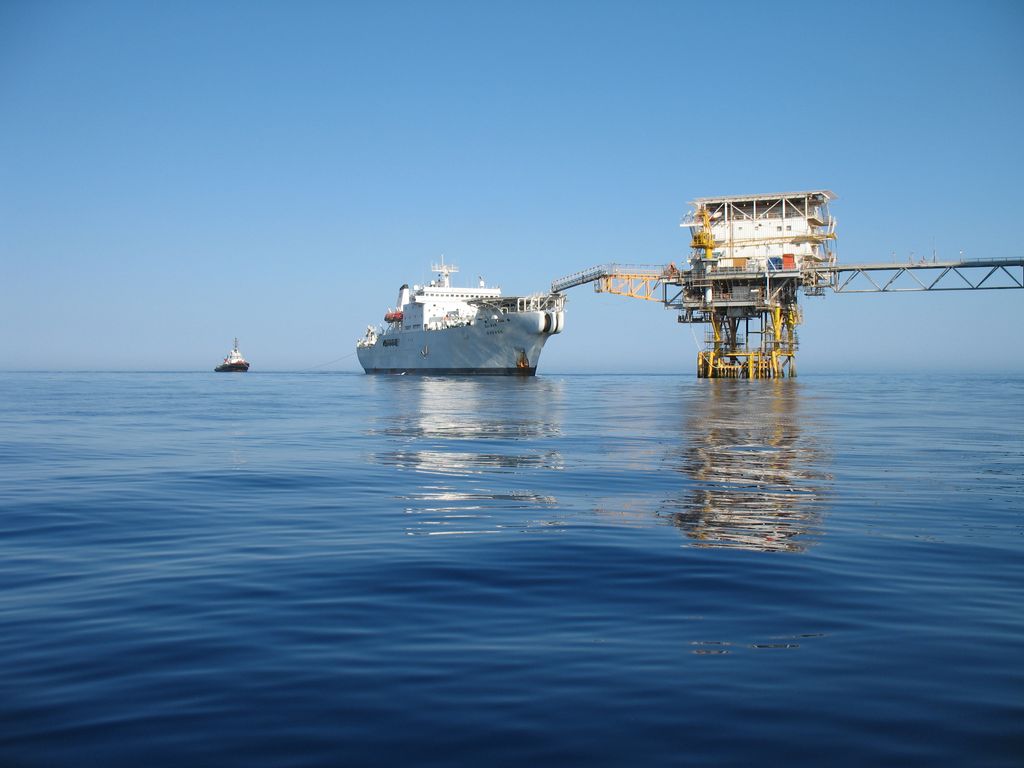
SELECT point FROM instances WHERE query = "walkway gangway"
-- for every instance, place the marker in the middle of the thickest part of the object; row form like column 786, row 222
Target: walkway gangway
column 602, row 271
column 965, row 275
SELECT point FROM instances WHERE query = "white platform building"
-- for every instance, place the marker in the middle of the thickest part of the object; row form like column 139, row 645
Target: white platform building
column 778, row 231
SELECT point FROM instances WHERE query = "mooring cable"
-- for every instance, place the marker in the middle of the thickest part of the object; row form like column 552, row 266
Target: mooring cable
column 329, row 362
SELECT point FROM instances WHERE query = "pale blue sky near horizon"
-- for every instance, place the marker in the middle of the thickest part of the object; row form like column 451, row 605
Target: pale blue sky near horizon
column 173, row 175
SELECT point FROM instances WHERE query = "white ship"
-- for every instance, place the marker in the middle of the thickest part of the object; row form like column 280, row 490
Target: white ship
column 442, row 329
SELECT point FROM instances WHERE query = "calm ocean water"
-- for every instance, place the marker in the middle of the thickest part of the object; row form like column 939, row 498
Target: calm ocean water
column 291, row 570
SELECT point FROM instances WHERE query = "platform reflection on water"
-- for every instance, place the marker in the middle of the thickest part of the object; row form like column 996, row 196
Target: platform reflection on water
column 754, row 456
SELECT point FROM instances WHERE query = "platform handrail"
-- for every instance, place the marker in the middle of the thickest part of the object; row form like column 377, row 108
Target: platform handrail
column 966, row 263
column 591, row 274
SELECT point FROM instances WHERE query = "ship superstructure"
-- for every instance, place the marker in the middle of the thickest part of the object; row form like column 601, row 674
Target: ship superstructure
column 444, row 329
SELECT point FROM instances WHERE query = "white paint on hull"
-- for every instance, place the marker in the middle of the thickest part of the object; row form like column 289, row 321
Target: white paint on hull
column 508, row 344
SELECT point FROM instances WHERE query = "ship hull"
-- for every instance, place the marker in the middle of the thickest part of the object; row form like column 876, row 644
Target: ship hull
column 507, row 346
column 528, row 371
column 231, row 368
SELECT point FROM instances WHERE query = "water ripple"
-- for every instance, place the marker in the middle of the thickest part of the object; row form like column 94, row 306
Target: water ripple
column 290, row 570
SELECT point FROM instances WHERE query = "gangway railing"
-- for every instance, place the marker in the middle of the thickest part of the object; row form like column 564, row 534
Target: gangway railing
column 593, row 274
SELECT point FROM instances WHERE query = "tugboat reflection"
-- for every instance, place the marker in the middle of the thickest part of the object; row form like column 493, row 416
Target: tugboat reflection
column 464, row 442
column 755, row 460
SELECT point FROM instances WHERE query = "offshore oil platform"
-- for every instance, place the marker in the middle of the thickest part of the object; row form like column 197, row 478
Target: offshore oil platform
column 751, row 257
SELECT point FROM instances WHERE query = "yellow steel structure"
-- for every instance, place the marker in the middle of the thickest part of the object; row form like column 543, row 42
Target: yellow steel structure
column 726, row 299
column 728, row 354
column 632, row 285
column 704, row 238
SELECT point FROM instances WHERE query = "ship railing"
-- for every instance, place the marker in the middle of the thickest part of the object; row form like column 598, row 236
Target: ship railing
column 540, row 302
column 537, row 302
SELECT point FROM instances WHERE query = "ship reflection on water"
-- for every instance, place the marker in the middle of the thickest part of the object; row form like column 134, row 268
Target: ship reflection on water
column 470, row 425
column 447, row 430
column 753, row 456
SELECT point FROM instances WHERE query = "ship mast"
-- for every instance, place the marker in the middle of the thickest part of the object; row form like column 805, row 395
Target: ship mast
column 443, row 271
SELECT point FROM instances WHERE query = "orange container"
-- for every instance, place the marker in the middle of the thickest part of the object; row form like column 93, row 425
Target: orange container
column 788, row 261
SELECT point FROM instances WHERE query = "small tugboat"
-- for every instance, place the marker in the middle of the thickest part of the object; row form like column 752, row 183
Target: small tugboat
column 233, row 362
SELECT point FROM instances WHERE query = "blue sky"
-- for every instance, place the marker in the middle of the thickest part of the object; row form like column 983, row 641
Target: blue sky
column 175, row 174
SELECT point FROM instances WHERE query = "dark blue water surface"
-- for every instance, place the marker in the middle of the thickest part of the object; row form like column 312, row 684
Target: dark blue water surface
column 290, row 570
